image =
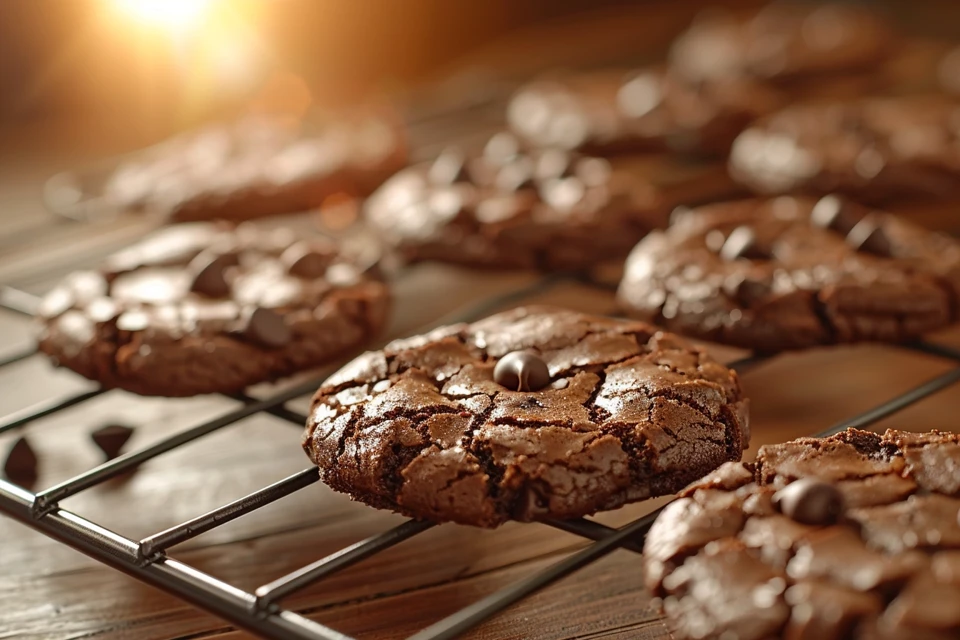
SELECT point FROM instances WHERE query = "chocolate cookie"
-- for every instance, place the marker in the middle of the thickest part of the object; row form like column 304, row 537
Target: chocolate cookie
column 789, row 273
column 530, row 414
column 646, row 110
column 508, row 209
column 257, row 167
column 948, row 71
column 203, row 308
column 854, row 537
column 875, row 149
column 785, row 43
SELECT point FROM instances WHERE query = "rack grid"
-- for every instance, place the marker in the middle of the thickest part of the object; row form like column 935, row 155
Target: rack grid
column 260, row 612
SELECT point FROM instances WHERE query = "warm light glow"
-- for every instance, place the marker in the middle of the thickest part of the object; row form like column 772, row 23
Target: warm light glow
column 174, row 14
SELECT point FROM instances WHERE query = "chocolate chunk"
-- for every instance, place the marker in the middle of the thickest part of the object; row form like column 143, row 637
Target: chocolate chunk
column 868, row 236
column 742, row 243
column 111, row 438
column 210, row 274
column 308, row 260
column 267, row 328
column 834, row 212
column 810, row 501
column 746, row 290
column 449, row 167
column 21, row 463
column 522, row 371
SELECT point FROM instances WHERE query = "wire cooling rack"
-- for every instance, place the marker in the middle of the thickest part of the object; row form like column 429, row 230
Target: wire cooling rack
column 260, row 612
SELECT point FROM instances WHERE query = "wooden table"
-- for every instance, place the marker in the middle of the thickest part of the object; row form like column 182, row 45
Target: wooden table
column 50, row 591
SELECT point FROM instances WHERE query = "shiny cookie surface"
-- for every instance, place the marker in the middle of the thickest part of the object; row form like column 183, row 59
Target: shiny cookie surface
column 202, row 308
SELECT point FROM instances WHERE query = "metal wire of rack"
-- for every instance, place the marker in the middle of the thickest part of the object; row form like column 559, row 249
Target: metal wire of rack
column 260, row 612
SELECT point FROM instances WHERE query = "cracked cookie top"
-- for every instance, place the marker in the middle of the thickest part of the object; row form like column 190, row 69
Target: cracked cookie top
column 203, row 308
column 620, row 412
column 852, row 536
column 790, row 273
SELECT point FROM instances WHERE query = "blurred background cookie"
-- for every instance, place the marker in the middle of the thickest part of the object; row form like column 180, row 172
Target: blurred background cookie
column 876, row 149
column 651, row 109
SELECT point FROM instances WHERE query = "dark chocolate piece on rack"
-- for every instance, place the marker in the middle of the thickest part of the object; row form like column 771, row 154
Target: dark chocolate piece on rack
column 111, row 438
column 20, row 465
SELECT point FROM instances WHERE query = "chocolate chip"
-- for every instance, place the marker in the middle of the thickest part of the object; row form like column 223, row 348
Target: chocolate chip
column 522, row 371
column 746, row 290
column 308, row 259
column 111, row 439
column 742, row 243
column 267, row 328
column 834, row 212
column 868, row 236
column 810, row 501
column 449, row 167
column 21, row 463
column 209, row 271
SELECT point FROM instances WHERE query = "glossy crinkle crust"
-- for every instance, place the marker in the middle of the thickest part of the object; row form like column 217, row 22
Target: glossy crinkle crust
column 422, row 428
column 728, row 563
column 205, row 308
column 791, row 273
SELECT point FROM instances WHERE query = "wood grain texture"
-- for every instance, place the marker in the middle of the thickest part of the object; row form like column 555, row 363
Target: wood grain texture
column 50, row 591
